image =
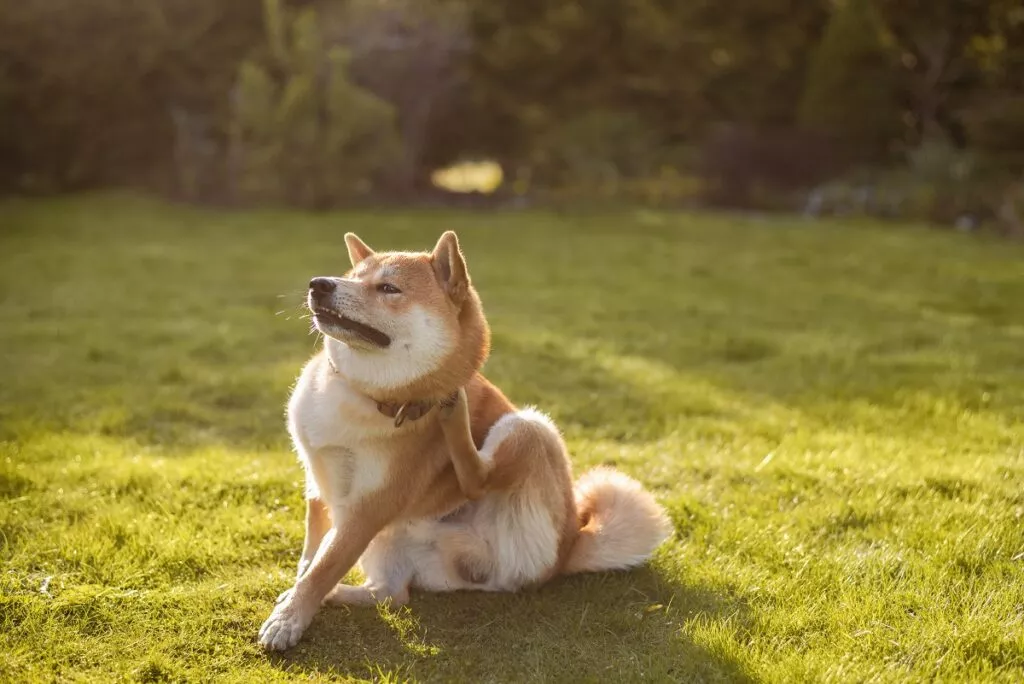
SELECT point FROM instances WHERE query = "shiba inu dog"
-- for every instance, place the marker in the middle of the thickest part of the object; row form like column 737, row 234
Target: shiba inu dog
column 421, row 470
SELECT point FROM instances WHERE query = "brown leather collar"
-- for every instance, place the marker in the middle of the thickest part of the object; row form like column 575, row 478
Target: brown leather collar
column 410, row 410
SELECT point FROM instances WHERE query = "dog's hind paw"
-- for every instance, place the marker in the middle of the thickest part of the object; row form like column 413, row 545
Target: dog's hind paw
column 365, row 595
column 451, row 402
column 284, row 627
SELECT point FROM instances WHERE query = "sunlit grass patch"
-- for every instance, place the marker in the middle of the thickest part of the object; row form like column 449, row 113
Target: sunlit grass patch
column 831, row 413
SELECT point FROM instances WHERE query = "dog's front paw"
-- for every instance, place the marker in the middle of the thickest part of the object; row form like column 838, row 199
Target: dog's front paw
column 285, row 626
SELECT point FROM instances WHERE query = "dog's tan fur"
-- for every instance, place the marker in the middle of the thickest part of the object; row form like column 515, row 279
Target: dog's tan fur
column 474, row 495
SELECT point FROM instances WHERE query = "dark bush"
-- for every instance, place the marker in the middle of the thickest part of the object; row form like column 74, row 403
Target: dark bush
column 745, row 167
column 852, row 89
column 90, row 89
column 302, row 133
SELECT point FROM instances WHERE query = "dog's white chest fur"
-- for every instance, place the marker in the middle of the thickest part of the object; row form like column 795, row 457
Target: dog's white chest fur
column 337, row 433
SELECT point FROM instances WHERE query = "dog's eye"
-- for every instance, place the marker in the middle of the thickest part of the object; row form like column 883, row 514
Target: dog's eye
column 388, row 288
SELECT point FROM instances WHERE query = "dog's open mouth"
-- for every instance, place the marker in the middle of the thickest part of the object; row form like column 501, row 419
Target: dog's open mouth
column 371, row 335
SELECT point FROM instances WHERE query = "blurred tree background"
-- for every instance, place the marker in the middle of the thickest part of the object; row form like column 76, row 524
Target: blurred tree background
column 902, row 107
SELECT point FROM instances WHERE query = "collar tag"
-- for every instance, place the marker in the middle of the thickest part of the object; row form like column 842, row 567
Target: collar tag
column 400, row 415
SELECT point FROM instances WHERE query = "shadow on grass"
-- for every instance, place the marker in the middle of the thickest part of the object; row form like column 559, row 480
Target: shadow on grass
column 602, row 627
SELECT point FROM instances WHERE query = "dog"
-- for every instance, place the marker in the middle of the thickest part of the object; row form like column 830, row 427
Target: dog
column 421, row 470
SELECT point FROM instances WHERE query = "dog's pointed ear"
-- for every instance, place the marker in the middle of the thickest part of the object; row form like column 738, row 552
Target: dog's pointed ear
column 450, row 267
column 357, row 249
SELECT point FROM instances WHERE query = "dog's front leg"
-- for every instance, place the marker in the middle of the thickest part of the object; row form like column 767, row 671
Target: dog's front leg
column 338, row 552
column 470, row 469
column 318, row 521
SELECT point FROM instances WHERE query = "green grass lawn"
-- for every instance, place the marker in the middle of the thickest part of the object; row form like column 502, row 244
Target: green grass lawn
column 832, row 413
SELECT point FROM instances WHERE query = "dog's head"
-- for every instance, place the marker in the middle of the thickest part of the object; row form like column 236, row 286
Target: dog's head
column 402, row 322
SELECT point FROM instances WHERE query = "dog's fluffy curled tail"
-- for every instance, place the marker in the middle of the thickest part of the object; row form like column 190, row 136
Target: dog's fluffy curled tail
column 620, row 523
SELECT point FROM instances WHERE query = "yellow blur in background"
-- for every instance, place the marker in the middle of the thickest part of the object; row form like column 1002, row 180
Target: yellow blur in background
column 469, row 176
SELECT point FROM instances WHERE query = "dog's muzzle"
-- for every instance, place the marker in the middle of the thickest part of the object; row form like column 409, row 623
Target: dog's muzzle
column 321, row 292
column 334, row 318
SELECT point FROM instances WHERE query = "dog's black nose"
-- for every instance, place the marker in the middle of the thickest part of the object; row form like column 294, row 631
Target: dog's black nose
column 321, row 285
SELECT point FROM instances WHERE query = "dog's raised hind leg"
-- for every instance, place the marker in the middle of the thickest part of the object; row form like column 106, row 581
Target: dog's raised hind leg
column 470, row 469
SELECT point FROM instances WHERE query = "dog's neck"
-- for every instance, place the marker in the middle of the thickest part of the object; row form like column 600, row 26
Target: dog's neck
column 401, row 411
